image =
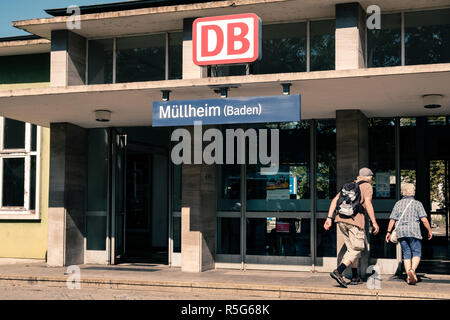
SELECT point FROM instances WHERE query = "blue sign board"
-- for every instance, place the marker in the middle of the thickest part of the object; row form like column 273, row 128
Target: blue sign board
column 284, row 108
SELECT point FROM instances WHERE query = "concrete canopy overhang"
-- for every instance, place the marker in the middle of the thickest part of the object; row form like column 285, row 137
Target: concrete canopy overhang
column 10, row 48
column 377, row 92
column 170, row 18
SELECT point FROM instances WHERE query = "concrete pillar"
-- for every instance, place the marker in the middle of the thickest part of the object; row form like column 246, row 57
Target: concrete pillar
column 198, row 212
column 350, row 36
column 66, row 214
column 198, row 216
column 190, row 70
column 67, row 59
column 352, row 153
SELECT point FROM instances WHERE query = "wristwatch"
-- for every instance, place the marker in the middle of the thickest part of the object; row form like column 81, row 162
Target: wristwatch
column 330, row 218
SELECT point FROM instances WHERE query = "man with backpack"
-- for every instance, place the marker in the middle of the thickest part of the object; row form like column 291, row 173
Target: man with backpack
column 351, row 204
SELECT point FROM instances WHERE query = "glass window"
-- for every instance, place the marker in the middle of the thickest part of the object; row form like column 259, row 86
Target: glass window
column 382, row 162
column 100, row 61
column 228, row 235
column 326, row 184
column 408, row 150
column 176, row 201
column 229, row 188
column 427, row 37
column 176, row 234
column 289, row 189
column 13, row 134
column 283, row 49
column 138, row 189
column 326, row 240
column 26, row 68
column 18, row 154
column 13, row 182
column 378, row 246
column 97, row 188
column 96, row 232
column 437, row 187
column 176, row 207
column 322, row 45
column 436, row 121
column 384, row 45
column 33, row 137
column 33, row 183
column 98, row 158
column 407, row 122
column 175, row 55
column 141, row 58
column 278, row 236
column 326, row 163
column 225, row 71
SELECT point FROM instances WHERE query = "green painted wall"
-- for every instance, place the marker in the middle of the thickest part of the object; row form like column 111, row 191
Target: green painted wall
column 25, row 68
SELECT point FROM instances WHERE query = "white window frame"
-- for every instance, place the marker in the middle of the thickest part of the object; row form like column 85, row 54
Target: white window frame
column 22, row 213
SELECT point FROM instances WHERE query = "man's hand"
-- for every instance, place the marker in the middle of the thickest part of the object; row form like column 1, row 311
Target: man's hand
column 327, row 224
column 430, row 235
column 388, row 236
column 376, row 228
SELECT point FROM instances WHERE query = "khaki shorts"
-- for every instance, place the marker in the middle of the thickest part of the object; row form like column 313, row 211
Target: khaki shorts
column 354, row 239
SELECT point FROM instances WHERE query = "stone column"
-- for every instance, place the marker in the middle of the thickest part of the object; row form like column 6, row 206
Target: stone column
column 67, row 58
column 350, row 36
column 198, row 216
column 352, row 153
column 66, row 214
column 190, row 70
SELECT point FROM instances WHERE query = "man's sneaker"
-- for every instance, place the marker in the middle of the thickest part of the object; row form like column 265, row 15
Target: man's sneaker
column 356, row 281
column 339, row 278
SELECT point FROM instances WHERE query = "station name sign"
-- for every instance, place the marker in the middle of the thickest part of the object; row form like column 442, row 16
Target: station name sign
column 230, row 39
column 283, row 108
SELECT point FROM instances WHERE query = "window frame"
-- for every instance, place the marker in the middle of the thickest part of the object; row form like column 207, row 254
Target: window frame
column 308, row 45
column 22, row 212
column 402, row 33
column 114, row 39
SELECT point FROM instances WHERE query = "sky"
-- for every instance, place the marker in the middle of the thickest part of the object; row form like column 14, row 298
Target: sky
column 13, row 10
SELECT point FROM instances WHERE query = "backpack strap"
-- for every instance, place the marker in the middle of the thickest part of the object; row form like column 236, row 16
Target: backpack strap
column 359, row 183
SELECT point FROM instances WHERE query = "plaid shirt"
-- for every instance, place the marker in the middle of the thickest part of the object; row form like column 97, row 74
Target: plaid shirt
column 409, row 226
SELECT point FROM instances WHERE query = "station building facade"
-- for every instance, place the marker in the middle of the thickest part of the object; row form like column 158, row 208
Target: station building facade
column 24, row 152
column 115, row 195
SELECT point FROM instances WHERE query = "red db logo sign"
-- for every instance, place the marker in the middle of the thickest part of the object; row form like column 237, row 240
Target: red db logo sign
column 226, row 39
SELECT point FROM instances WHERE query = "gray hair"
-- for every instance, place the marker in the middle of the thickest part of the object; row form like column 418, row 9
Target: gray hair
column 408, row 189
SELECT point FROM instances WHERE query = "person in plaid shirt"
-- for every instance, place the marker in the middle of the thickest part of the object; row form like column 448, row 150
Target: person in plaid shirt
column 408, row 229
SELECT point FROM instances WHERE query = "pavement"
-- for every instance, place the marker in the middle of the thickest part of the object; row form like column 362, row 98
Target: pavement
column 284, row 285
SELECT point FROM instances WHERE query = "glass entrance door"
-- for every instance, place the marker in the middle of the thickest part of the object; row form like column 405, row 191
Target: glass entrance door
column 436, row 167
column 439, row 213
column 118, row 186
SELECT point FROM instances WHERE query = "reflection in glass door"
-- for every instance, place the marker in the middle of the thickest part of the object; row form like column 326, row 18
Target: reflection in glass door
column 118, row 207
column 439, row 201
column 278, row 207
